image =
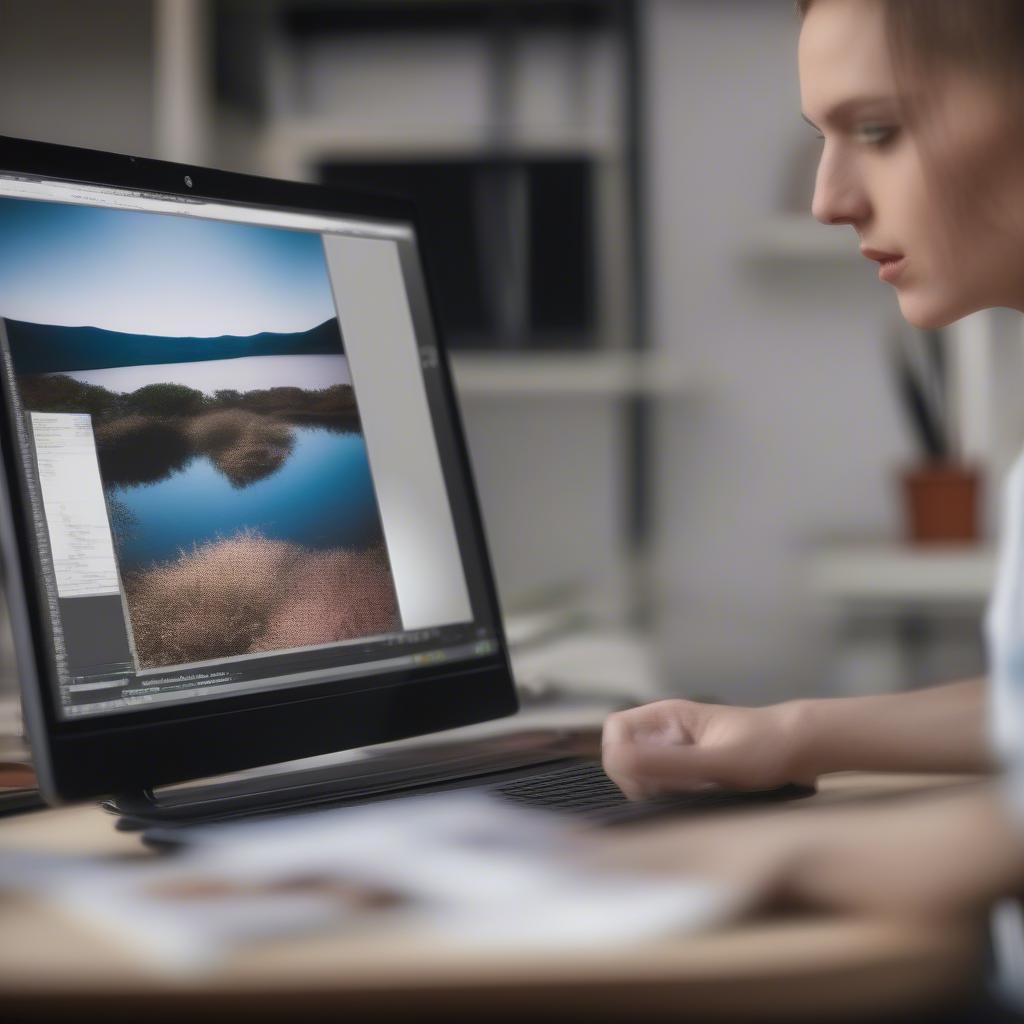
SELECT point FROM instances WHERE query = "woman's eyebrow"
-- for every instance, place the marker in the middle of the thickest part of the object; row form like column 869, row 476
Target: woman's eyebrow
column 842, row 113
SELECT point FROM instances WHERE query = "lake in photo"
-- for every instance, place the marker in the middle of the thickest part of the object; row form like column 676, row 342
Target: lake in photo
column 251, row 373
column 321, row 497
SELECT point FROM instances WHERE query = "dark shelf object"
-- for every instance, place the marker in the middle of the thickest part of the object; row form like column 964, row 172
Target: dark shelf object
column 511, row 241
column 241, row 28
column 319, row 17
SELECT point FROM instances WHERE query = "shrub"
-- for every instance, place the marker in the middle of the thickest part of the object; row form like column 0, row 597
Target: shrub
column 59, row 393
column 165, row 400
column 140, row 449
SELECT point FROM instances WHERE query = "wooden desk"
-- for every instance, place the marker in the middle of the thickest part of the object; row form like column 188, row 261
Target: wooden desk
column 793, row 970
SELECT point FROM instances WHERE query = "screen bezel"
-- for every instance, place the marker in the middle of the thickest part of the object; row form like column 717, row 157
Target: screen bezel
column 132, row 751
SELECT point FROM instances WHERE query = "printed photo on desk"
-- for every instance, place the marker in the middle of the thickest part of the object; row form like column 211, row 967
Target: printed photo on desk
column 204, row 363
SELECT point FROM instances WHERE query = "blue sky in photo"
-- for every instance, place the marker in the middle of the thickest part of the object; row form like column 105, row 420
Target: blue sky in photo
column 150, row 273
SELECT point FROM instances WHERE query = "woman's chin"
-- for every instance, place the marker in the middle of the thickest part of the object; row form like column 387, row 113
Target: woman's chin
column 928, row 313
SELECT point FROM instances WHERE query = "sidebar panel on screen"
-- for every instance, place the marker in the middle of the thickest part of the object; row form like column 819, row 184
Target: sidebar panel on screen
column 95, row 638
column 369, row 292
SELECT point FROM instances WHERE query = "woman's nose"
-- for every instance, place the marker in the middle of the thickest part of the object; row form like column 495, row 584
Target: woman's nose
column 839, row 197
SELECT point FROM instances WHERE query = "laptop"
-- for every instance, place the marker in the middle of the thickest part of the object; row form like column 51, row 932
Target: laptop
column 236, row 514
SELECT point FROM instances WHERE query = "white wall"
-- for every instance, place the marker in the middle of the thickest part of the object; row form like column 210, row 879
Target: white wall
column 798, row 430
column 548, row 475
column 77, row 72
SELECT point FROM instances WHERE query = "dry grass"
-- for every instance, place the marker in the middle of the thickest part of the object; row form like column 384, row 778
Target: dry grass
column 244, row 446
column 331, row 595
column 216, row 431
column 208, row 603
column 248, row 593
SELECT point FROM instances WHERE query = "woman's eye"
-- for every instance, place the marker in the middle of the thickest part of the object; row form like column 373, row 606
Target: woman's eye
column 875, row 134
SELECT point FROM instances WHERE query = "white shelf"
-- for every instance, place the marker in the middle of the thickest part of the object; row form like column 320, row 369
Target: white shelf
column 798, row 237
column 897, row 574
column 600, row 374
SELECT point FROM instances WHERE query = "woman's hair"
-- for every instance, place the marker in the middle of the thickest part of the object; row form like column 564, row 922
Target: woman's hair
column 984, row 36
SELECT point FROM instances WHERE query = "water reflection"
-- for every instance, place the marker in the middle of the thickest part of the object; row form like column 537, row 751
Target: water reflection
column 320, row 496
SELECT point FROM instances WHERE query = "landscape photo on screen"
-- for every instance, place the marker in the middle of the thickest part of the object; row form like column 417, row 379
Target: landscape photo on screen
column 210, row 359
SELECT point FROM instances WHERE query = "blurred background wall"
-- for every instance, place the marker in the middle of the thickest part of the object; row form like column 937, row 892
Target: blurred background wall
column 695, row 463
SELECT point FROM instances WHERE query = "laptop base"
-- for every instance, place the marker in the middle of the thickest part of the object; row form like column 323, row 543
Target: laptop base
column 363, row 776
column 549, row 770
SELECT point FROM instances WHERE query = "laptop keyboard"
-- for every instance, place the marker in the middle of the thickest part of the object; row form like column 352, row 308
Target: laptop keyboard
column 583, row 789
column 579, row 787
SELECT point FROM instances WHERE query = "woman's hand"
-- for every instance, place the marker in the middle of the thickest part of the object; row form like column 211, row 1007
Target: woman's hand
column 676, row 745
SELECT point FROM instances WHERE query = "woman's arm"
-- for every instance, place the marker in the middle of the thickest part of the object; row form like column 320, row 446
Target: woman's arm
column 933, row 854
column 948, row 852
column 679, row 744
column 938, row 729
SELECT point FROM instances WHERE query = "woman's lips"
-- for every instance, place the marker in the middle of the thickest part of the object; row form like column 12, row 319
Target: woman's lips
column 890, row 270
column 890, row 264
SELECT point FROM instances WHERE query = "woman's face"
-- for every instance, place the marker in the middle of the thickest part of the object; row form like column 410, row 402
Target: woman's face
column 929, row 174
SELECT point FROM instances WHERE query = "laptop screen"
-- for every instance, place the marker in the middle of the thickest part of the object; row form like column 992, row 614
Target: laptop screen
column 234, row 442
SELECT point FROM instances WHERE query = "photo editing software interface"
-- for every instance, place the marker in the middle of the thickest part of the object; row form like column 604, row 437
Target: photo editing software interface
column 234, row 446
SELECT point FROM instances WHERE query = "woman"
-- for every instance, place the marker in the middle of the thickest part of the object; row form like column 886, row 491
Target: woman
column 920, row 106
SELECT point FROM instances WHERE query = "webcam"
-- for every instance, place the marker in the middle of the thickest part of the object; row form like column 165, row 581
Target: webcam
column 188, row 180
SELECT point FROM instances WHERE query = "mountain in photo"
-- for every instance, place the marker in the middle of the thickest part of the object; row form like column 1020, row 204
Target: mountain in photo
column 48, row 348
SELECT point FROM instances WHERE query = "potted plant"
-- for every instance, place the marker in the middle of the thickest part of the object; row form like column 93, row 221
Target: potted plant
column 940, row 492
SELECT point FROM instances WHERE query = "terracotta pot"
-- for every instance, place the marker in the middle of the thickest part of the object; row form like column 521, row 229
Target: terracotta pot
column 940, row 503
